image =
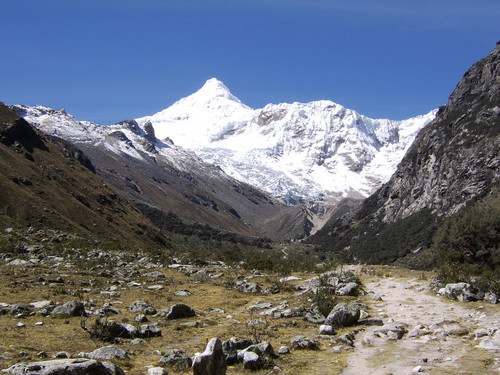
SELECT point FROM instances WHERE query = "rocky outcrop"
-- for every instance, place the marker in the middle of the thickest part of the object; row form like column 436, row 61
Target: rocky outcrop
column 64, row 366
column 454, row 160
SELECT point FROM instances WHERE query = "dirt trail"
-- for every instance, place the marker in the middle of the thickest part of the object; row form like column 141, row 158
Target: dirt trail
column 440, row 336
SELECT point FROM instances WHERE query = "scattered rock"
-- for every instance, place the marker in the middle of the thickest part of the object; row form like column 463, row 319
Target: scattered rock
column 391, row 331
column 284, row 350
column 69, row 309
column 20, row 310
column 106, row 353
column 245, row 286
column 304, row 343
column 157, row 371
column 326, row 329
column 344, row 314
column 252, row 361
column 178, row 311
column 176, row 359
column 212, row 361
column 230, row 348
column 142, row 307
column 349, row 289
column 78, row 366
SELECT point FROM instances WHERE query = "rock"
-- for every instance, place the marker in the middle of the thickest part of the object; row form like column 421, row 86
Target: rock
column 20, row 310
column 40, row 304
column 176, row 359
column 391, row 331
column 349, row 289
column 137, row 342
column 155, row 275
column 460, row 291
column 491, row 343
column 245, row 286
column 376, row 297
column 259, row 306
column 304, row 343
column 230, row 348
column 149, row 330
column 491, row 298
column 61, row 355
column 20, row 325
column 178, row 311
column 212, row 361
column 263, row 349
column 142, row 307
column 106, row 353
column 344, row 314
column 284, row 350
column 347, row 339
column 326, row 329
column 315, row 317
column 80, row 366
column 252, row 361
column 183, row 293
column 156, row 371
column 115, row 329
column 69, row 309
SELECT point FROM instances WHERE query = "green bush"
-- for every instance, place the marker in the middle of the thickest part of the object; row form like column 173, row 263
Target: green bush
column 467, row 247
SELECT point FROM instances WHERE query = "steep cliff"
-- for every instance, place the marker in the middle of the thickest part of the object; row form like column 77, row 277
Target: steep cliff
column 453, row 161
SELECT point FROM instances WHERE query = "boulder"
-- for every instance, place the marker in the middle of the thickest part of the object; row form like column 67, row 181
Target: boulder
column 326, row 329
column 245, row 286
column 157, row 371
column 80, row 366
column 142, row 307
column 230, row 348
column 106, row 353
column 176, row 359
column 20, row 309
column 391, row 331
column 178, row 311
column 344, row 314
column 304, row 343
column 252, row 361
column 349, row 289
column 69, row 309
column 460, row 291
column 212, row 361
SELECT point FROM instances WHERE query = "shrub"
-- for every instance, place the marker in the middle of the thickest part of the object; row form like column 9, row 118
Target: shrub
column 468, row 249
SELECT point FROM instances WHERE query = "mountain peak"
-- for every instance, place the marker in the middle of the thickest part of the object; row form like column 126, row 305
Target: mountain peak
column 213, row 88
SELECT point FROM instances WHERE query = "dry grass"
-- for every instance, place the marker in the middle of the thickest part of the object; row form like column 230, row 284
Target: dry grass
column 29, row 284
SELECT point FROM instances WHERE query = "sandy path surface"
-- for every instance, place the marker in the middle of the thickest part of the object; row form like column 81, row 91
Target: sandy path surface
column 440, row 335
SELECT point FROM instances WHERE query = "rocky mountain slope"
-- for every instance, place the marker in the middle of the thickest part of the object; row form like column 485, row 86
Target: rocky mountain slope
column 318, row 151
column 46, row 182
column 453, row 161
column 160, row 177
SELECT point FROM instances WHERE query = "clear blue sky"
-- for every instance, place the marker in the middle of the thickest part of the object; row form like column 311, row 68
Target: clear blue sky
column 109, row 60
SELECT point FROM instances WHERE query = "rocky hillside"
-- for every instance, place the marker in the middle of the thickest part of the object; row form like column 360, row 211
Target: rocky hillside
column 46, row 182
column 162, row 178
column 453, row 161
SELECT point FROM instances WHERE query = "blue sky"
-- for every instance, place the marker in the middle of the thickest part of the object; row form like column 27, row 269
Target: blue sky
column 109, row 60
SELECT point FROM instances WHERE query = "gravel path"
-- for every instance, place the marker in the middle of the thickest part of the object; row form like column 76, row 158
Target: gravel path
column 440, row 335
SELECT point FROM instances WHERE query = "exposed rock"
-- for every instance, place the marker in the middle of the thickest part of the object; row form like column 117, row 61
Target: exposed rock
column 491, row 343
column 245, row 286
column 79, row 366
column 326, row 329
column 176, row 359
column 157, row 371
column 252, row 361
column 69, row 309
column 284, row 350
column 212, row 361
column 178, row 311
column 106, row 353
column 304, row 343
column 391, row 331
column 344, row 314
column 20, row 309
column 349, row 289
column 231, row 347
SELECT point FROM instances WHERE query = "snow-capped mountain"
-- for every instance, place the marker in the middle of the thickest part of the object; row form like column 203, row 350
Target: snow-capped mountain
column 161, row 177
column 318, row 151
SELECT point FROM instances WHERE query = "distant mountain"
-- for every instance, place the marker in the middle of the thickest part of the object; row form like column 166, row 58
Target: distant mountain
column 453, row 162
column 47, row 183
column 319, row 151
column 159, row 176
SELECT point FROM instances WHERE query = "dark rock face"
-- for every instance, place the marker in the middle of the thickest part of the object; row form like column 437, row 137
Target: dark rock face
column 212, row 361
column 453, row 161
column 69, row 309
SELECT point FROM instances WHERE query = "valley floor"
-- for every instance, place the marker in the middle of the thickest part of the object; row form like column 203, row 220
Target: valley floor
column 435, row 336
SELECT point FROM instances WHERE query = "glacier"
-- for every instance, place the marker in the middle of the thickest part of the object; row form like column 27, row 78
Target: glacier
column 300, row 152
